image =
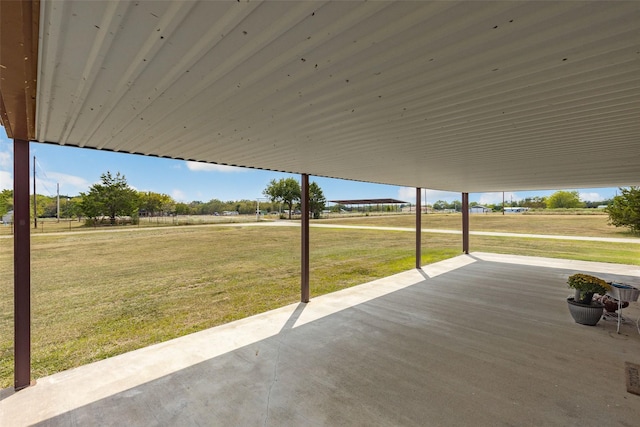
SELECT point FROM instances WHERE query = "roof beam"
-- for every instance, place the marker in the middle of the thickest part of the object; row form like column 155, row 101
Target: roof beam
column 19, row 27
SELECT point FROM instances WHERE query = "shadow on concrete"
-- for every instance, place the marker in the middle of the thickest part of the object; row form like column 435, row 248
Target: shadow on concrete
column 488, row 344
column 290, row 323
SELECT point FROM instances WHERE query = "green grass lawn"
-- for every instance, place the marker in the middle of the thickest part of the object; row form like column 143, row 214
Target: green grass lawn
column 572, row 225
column 95, row 295
column 52, row 225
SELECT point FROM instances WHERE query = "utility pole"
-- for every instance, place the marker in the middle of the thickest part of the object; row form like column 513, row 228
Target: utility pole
column 426, row 204
column 258, row 210
column 58, row 201
column 35, row 208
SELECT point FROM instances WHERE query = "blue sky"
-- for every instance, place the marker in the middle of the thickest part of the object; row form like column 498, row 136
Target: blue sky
column 76, row 169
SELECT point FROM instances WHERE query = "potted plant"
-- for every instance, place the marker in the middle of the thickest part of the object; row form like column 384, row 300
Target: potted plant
column 582, row 308
column 586, row 285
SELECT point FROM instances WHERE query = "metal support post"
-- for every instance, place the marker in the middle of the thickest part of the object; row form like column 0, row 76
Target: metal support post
column 418, row 228
column 22, row 265
column 465, row 223
column 304, row 284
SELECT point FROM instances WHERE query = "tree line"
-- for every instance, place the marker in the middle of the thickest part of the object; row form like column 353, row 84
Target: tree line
column 288, row 192
column 284, row 193
column 558, row 200
column 113, row 198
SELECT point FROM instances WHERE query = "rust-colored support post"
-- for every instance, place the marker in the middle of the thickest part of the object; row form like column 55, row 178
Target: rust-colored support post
column 465, row 223
column 418, row 227
column 304, row 283
column 35, row 197
column 21, row 265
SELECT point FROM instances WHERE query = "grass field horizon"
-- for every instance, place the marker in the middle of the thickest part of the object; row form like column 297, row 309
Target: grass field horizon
column 580, row 222
column 96, row 295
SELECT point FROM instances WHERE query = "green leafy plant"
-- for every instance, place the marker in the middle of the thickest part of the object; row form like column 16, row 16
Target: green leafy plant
column 624, row 210
column 588, row 283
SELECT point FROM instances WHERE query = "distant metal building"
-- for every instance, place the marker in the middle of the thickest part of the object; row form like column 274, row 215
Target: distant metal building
column 517, row 209
column 7, row 218
column 479, row 209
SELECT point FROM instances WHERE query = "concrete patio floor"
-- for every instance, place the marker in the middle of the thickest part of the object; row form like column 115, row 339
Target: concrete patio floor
column 482, row 340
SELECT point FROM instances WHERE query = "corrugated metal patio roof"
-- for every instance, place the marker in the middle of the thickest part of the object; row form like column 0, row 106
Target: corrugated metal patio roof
column 459, row 96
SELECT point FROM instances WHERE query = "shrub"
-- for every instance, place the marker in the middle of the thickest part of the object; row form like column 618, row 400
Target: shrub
column 624, row 210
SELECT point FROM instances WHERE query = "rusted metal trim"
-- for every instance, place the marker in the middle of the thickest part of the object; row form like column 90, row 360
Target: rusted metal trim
column 304, row 282
column 22, row 265
column 418, row 227
column 465, row 223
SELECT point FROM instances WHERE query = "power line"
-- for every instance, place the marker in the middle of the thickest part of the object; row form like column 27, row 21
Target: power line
column 42, row 182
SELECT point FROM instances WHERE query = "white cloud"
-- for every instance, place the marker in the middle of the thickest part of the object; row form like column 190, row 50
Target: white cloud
column 6, row 162
column 179, row 196
column 591, row 197
column 69, row 180
column 496, row 198
column 6, row 169
column 210, row 167
column 70, row 185
column 448, row 196
column 6, row 180
column 408, row 194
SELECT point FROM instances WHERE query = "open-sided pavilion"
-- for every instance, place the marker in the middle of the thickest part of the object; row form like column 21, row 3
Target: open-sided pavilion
column 457, row 96
column 368, row 203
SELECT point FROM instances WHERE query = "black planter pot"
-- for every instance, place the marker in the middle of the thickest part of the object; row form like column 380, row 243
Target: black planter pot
column 585, row 314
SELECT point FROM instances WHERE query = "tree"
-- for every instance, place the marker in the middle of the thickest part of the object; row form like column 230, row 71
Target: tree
column 6, row 201
column 564, row 199
column 196, row 207
column 245, row 207
column 338, row 207
column 182, row 209
column 70, row 206
column 112, row 197
column 316, row 200
column 90, row 206
column 286, row 191
column 156, row 203
column 440, row 205
column 215, row 205
column 624, row 210
column 534, row 202
column 594, row 204
column 47, row 206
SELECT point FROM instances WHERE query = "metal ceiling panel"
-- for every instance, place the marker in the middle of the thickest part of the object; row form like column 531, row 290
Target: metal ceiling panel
column 459, row 96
